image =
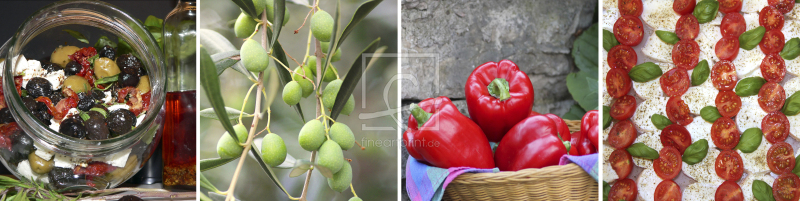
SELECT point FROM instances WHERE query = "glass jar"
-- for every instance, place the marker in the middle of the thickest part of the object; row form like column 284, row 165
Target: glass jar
column 95, row 164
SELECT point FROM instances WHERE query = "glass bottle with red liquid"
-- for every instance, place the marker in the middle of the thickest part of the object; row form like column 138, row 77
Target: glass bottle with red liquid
column 179, row 131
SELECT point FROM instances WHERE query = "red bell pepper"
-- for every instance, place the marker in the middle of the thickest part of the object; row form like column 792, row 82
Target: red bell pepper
column 498, row 96
column 590, row 127
column 441, row 136
column 532, row 143
column 581, row 145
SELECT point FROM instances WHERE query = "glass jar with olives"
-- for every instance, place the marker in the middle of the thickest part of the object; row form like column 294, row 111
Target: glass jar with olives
column 78, row 117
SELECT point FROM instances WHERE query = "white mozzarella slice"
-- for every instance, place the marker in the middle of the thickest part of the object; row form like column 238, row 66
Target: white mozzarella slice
column 700, row 129
column 753, row 6
column 655, row 49
column 791, row 86
column 609, row 4
column 700, row 191
column 791, row 28
column 610, row 16
column 606, row 131
column 699, row 97
column 645, row 109
column 704, row 170
column 658, row 14
column 751, row 20
column 750, row 115
column 756, row 162
column 748, row 61
column 652, row 140
column 707, row 38
column 647, row 183
column 747, row 184
column 794, row 14
column 794, row 126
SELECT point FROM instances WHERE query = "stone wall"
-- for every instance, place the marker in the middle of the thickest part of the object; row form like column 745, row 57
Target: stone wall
column 459, row 35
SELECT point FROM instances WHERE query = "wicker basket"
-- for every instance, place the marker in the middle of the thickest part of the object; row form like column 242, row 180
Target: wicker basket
column 568, row 182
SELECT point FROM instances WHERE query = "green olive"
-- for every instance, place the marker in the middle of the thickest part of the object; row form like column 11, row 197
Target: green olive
column 292, row 92
column 271, row 12
column 227, row 147
column 329, row 93
column 253, row 56
column 342, row 179
column 337, row 55
column 330, row 73
column 273, row 150
column 355, row 199
column 122, row 173
column 322, row 25
column 304, row 83
column 260, row 6
column 60, row 56
column 312, row 135
column 312, row 65
column 39, row 165
column 105, row 67
column 244, row 26
column 330, row 156
column 349, row 106
column 342, row 135
column 144, row 84
column 78, row 84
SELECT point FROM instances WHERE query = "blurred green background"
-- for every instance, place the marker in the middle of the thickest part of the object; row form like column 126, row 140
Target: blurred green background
column 375, row 168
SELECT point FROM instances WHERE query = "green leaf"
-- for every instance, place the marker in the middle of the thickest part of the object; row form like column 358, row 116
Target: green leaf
column 696, row 152
column 233, row 114
column 750, row 39
column 700, row 73
column 207, row 184
column 279, row 7
column 579, row 86
column 284, row 75
column 792, row 105
column 606, row 116
column 660, row 121
column 710, row 114
column 584, row 50
column 211, row 163
column 607, row 189
column 796, row 169
column 77, row 35
column 353, row 77
column 750, row 140
column 791, row 49
column 103, row 41
column 642, row 151
column 668, row 37
column 226, row 59
column 575, row 113
column 154, row 22
column 609, row 40
column 247, row 7
column 107, row 80
column 21, row 196
column 645, row 72
column 706, row 10
column 8, row 181
column 762, row 191
column 300, row 167
column 266, row 168
column 325, row 62
column 224, row 64
column 215, row 44
column 210, row 83
column 361, row 12
column 324, row 171
column 749, row 86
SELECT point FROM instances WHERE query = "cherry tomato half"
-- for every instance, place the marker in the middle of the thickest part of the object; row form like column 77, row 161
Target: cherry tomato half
column 622, row 56
column 622, row 134
column 773, row 68
column 623, row 189
column 668, row 190
column 771, row 97
column 676, row 136
column 725, row 134
column 629, row 30
column 733, row 25
column 683, row 7
column 685, row 54
column 786, row 187
column 623, row 107
column 728, row 103
column 668, row 164
column 780, row 158
column 618, row 83
column 729, row 191
column 772, row 42
column 775, row 127
column 729, row 165
column 678, row 111
column 730, row 6
column 675, row 82
column 630, row 7
column 621, row 162
column 727, row 48
column 770, row 18
column 723, row 75
column 687, row 27
column 784, row 6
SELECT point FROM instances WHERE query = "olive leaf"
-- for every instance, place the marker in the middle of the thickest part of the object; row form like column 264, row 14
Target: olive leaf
column 749, row 86
column 215, row 44
column 792, row 105
column 696, row 152
column 762, row 191
column 284, row 75
column 211, row 163
column 323, row 66
column 351, row 80
column 233, row 114
column 323, row 170
column 791, row 49
column 210, row 83
column 207, row 184
column 750, row 140
column 300, row 167
column 660, row 121
column 667, row 37
column 77, row 35
column 700, row 73
column 254, row 153
column 247, row 7
column 710, row 114
column 750, row 39
column 643, row 151
column 279, row 7
column 609, row 40
column 107, row 80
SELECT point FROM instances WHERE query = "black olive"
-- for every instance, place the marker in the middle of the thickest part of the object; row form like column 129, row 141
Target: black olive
column 22, row 144
column 120, row 122
column 56, row 96
column 73, row 127
column 85, row 102
column 42, row 114
column 129, row 63
column 95, row 114
column 5, row 116
column 97, row 128
column 51, row 67
column 98, row 95
column 108, row 52
column 127, row 79
column 64, row 177
column 39, row 87
column 72, row 68
column 130, row 198
column 30, row 103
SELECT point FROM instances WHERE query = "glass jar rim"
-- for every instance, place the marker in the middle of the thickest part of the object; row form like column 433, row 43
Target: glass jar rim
column 99, row 15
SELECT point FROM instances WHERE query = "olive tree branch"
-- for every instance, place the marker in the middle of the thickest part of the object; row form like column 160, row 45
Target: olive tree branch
column 318, row 54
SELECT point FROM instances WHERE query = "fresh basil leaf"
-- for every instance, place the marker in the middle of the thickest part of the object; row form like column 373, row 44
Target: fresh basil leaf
column 791, row 49
column 92, row 59
column 762, row 191
column 749, row 86
column 792, row 105
column 106, row 80
column 706, row 10
column 643, row 151
column 606, row 116
column 750, row 39
column 700, row 73
column 645, row 72
column 667, row 37
column 660, row 121
column 796, row 169
column 750, row 140
column 710, row 114
column 609, row 40
column 103, row 41
column 77, row 35
column 607, row 187
column 696, row 152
